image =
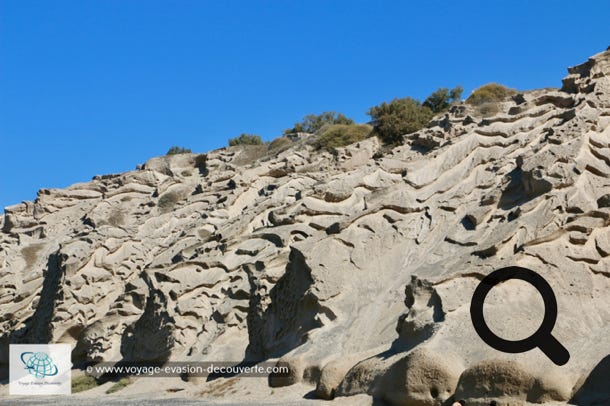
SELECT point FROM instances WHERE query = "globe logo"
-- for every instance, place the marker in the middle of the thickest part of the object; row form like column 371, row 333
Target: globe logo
column 38, row 364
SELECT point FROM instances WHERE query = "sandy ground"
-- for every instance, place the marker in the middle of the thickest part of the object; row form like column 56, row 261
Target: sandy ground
column 173, row 391
column 164, row 391
column 74, row 401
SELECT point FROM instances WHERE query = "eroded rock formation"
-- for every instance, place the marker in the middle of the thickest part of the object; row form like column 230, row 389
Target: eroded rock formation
column 356, row 268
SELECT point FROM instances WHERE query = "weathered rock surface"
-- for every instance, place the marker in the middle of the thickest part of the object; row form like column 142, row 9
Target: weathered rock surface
column 357, row 271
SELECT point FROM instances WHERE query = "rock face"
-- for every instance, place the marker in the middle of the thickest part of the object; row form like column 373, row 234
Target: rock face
column 356, row 268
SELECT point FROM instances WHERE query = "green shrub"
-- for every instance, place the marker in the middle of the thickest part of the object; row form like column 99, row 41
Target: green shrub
column 456, row 94
column 178, row 150
column 442, row 98
column 280, row 143
column 245, row 139
column 401, row 116
column 312, row 123
column 123, row 382
column 340, row 135
column 83, row 383
column 491, row 92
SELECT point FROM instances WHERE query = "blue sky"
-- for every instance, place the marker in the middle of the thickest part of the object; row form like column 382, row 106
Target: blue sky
column 93, row 87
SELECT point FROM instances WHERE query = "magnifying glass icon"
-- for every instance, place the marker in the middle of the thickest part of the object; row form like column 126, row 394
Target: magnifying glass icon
column 542, row 338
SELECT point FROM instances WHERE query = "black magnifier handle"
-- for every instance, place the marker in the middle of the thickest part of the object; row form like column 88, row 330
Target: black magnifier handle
column 554, row 350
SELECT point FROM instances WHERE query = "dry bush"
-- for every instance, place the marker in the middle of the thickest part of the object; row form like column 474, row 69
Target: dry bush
column 280, row 144
column 249, row 154
column 116, row 218
column 30, row 254
column 489, row 93
column 340, row 135
column 168, row 201
column 488, row 109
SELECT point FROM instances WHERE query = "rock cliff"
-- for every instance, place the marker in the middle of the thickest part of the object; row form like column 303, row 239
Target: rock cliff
column 355, row 267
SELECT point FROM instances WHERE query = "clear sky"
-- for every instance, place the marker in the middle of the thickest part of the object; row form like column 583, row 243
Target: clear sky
column 93, row 87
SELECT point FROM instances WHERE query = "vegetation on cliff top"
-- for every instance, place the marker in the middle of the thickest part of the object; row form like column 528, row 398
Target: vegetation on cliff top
column 175, row 150
column 340, row 135
column 390, row 121
column 246, row 139
column 313, row 123
column 491, row 92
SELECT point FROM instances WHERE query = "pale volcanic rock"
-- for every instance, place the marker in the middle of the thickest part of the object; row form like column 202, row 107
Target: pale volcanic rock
column 355, row 267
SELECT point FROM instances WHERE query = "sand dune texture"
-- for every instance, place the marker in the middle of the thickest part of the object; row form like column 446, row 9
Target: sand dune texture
column 355, row 267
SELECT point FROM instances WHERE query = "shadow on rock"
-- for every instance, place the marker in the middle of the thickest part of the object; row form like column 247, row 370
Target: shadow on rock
column 37, row 328
column 596, row 388
column 523, row 186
